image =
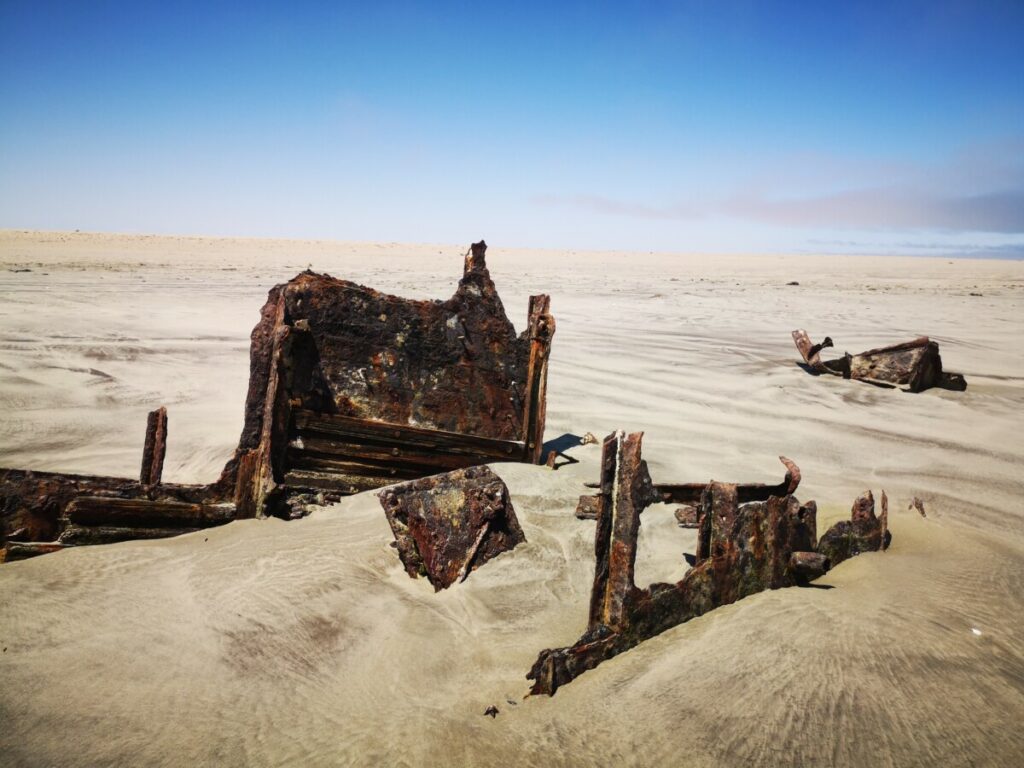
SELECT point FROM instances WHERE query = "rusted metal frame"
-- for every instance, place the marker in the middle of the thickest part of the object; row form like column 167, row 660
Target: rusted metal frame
column 743, row 548
column 155, row 447
column 690, row 493
column 265, row 474
column 541, row 330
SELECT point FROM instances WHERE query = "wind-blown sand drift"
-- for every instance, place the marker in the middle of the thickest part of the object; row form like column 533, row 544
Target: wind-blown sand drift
column 266, row 642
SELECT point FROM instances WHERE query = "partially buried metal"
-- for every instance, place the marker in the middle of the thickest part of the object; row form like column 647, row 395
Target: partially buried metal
column 912, row 365
column 750, row 538
column 349, row 389
column 448, row 525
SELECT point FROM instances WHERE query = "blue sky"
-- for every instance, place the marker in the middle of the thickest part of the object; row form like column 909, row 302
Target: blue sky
column 720, row 127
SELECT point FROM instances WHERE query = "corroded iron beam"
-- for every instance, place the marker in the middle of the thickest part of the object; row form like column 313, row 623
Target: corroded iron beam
column 743, row 548
column 690, row 494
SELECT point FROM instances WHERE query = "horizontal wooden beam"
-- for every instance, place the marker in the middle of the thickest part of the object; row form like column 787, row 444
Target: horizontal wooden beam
column 313, row 448
column 143, row 513
column 22, row 550
column 298, row 479
column 106, row 534
column 361, row 430
column 345, row 466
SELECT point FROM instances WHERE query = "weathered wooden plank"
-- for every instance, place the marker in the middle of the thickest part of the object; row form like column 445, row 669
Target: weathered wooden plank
column 339, row 483
column 312, row 447
column 22, row 550
column 541, row 329
column 309, row 423
column 306, row 462
column 75, row 535
column 155, row 447
column 102, row 510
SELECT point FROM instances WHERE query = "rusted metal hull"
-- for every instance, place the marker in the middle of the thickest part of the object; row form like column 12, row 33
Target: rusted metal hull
column 744, row 547
column 912, row 366
column 349, row 390
column 365, row 389
column 448, row 525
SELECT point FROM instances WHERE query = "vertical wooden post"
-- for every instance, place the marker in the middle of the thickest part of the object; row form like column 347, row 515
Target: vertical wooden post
column 155, row 448
column 260, row 470
column 542, row 328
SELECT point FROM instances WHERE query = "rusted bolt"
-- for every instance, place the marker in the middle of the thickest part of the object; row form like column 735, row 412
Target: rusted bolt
column 398, row 433
column 394, row 451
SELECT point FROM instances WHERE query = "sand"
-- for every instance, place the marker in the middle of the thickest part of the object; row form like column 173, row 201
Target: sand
column 305, row 643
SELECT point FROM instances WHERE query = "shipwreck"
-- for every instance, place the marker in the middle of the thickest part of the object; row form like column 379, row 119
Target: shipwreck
column 912, row 366
column 350, row 389
column 751, row 538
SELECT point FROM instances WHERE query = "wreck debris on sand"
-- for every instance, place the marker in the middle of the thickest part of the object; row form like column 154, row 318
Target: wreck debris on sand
column 448, row 525
column 912, row 366
column 690, row 495
column 747, row 542
column 349, row 389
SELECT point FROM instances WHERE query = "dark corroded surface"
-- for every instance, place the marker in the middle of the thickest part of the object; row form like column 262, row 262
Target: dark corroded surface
column 743, row 548
column 363, row 388
column 448, row 525
column 863, row 532
column 913, row 366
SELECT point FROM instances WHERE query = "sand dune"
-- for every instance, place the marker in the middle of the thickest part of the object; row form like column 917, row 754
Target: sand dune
column 305, row 643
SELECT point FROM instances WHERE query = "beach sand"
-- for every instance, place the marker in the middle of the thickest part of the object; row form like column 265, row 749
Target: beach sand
column 305, row 643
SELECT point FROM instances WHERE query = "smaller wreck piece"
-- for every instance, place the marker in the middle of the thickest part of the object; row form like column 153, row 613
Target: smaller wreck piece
column 912, row 366
column 744, row 545
column 448, row 525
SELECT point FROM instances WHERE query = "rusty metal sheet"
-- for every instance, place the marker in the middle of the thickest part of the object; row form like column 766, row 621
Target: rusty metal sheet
column 446, row 526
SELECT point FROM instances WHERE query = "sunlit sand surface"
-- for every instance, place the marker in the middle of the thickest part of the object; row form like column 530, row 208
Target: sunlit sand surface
column 305, row 643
